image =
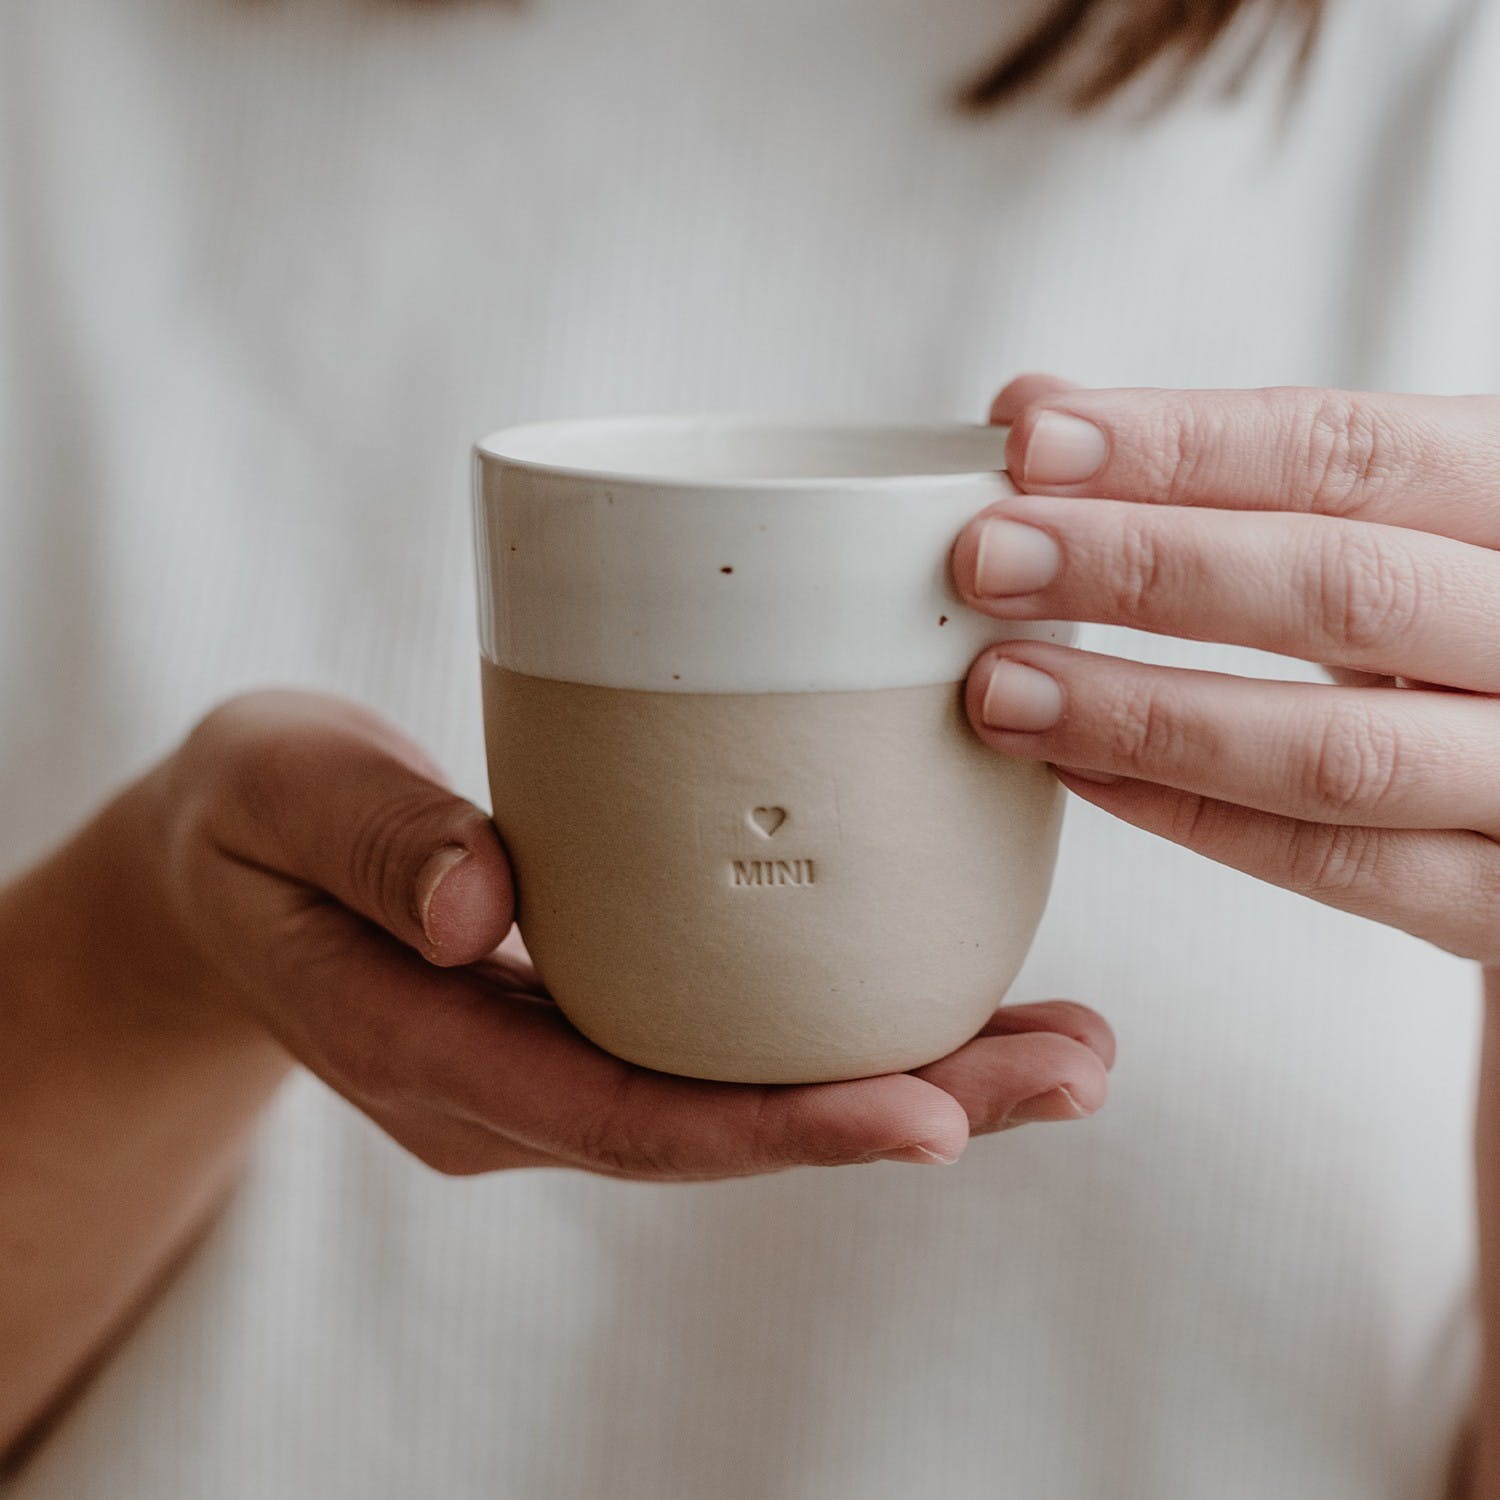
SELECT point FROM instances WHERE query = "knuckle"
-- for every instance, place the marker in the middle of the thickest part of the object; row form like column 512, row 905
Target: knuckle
column 764, row 1138
column 1333, row 863
column 211, row 753
column 238, row 726
column 788, row 1127
column 656, row 1158
column 608, row 1155
column 1146, row 733
column 597, row 1141
column 374, row 863
column 1191, row 819
column 222, row 724
column 1356, row 762
column 610, row 1143
column 1342, row 454
column 1175, row 449
column 1366, row 591
column 1141, row 575
column 233, row 758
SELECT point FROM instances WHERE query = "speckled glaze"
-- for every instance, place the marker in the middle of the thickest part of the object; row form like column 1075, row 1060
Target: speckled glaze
column 729, row 555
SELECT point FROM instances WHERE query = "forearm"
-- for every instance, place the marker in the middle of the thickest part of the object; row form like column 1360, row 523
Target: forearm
column 123, row 1112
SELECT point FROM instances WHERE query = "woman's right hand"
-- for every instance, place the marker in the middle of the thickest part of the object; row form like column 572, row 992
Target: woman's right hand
column 300, row 866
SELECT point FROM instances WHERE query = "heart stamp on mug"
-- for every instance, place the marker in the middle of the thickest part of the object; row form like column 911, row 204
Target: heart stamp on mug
column 768, row 819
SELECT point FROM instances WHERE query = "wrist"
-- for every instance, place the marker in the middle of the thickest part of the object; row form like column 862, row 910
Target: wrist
column 109, row 953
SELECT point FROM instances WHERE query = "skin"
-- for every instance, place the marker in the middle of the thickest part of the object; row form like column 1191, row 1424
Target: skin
column 1356, row 530
column 296, row 886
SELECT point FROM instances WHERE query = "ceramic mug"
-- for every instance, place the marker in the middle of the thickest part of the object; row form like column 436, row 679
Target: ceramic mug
column 753, row 834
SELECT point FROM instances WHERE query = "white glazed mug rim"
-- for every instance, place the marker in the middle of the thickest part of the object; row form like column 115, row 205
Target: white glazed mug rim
column 712, row 580
column 509, row 446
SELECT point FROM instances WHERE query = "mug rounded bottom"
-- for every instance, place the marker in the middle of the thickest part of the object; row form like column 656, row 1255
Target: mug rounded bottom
column 768, row 887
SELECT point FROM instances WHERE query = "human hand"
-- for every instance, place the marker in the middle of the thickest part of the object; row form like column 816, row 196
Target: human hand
column 1344, row 528
column 326, row 886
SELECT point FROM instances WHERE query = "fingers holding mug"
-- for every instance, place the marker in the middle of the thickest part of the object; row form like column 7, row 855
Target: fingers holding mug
column 1337, row 755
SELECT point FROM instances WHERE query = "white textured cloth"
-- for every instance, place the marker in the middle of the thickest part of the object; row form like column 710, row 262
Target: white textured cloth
column 267, row 270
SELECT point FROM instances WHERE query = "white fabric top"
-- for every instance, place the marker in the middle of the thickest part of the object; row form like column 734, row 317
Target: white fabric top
column 266, row 272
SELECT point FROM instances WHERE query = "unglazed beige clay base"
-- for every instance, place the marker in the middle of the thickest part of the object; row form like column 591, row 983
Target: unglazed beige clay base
column 767, row 887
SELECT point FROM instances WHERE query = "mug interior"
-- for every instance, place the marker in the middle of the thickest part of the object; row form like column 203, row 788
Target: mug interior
column 732, row 450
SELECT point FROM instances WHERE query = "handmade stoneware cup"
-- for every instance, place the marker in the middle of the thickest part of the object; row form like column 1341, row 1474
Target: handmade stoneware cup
column 754, row 836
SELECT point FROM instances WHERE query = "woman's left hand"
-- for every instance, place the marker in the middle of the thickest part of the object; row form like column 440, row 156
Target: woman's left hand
column 1359, row 531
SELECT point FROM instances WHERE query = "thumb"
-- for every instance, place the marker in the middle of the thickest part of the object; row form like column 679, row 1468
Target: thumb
column 324, row 793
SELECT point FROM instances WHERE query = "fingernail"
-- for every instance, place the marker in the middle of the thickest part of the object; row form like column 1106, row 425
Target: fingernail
column 1020, row 698
column 1063, row 450
column 1099, row 778
column 920, row 1155
column 432, row 875
column 1055, row 1105
column 1013, row 559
